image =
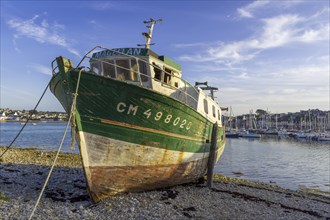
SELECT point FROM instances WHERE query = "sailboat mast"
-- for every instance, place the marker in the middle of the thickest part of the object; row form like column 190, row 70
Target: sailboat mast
column 230, row 118
column 276, row 121
column 310, row 122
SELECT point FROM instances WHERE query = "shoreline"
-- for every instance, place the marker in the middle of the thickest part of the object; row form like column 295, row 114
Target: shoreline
column 23, row 172
column 31, row 121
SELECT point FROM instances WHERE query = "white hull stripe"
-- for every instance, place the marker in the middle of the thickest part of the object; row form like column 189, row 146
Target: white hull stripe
column 97, row 150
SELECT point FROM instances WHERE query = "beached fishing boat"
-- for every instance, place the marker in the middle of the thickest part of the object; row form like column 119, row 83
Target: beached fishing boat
column 139, row 125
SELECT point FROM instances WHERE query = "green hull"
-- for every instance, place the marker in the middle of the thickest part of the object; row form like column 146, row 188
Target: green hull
column 132, row 138
column 134, row 114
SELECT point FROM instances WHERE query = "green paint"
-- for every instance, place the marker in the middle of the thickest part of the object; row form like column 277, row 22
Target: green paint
column 170, row 62
column 157, row 120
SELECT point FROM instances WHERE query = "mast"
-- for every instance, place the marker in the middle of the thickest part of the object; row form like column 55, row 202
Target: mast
column 148, row 36
column 276, row 121
column 230, row 118
column 310, row 122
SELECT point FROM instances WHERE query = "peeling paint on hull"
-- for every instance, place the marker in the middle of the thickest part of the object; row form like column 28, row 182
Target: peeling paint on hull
column 113, row 180
column 109, row 174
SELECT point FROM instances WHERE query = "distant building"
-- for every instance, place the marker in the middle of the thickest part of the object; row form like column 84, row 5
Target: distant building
column 3, row 116
column 13, row 117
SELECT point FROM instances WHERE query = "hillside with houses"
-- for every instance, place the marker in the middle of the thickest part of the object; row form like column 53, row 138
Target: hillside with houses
column 10, row 115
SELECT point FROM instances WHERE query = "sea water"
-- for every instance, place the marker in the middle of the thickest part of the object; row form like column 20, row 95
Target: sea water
column 284, row 161
column 287, row 162
column 41, row 135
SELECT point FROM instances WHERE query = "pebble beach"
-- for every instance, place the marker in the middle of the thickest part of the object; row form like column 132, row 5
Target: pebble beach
column 24, row 171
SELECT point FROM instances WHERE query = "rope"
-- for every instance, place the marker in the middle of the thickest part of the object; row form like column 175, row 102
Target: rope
column 73, row 113
column 73, row 107
column 30, row 116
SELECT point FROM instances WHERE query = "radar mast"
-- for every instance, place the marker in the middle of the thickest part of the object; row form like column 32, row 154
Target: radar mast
column 148, row 36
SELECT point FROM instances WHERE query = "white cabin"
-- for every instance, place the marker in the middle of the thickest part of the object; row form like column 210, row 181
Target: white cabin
column 143, row 67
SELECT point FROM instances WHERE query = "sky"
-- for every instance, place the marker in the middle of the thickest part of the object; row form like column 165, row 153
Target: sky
column 270, row 55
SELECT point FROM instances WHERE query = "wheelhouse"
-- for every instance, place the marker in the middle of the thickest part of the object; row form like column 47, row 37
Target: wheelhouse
column 143, row 67
column 136, row 65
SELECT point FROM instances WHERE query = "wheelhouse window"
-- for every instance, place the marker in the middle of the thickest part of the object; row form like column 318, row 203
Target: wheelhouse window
column 143, row 71
column 134, row 71
column 219, row 117
column 206, row 109
column 167, row 76
column 213, row 111
column 96, row 68
column 158, row 72
column 109, row 68
column 123, row 70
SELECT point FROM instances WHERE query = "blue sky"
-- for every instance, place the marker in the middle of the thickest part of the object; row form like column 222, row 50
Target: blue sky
column 271, row 55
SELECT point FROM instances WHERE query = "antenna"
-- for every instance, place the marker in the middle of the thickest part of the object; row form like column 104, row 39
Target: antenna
column 212, row 89
column 148, row 36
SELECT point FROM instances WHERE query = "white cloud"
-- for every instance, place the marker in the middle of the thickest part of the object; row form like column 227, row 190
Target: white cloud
column 201, row 44
column 242, row 76
column 289, row 91
column 92, row 22
column 74, row 51
column 312, row 35
column 277, row 31
column 102, row 6
column 42, row 33
column 248, row 10
column 41, row 69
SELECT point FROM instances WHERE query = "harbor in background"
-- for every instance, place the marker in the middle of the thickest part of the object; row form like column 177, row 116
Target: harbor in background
column 311, row 124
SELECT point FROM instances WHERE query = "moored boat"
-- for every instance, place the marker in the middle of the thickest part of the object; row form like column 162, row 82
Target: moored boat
column 139, row 125
column 249, row 134
column 300, row 134
column 232, row 135
column 324, row 137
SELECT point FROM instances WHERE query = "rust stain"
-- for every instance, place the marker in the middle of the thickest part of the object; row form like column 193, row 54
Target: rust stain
column 165, row 154
column 109, row 181
column 181, row 155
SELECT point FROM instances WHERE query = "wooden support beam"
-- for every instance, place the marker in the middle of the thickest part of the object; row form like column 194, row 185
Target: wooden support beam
column 211, row 161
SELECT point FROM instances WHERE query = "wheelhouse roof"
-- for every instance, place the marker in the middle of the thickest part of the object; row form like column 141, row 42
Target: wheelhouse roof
column 135, row 52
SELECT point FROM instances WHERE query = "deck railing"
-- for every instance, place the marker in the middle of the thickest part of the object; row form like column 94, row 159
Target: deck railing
column 185, row 92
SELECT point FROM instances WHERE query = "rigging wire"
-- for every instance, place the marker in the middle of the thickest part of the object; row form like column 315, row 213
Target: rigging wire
column 51, row 169
column 72, row 114
column 30, row 116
